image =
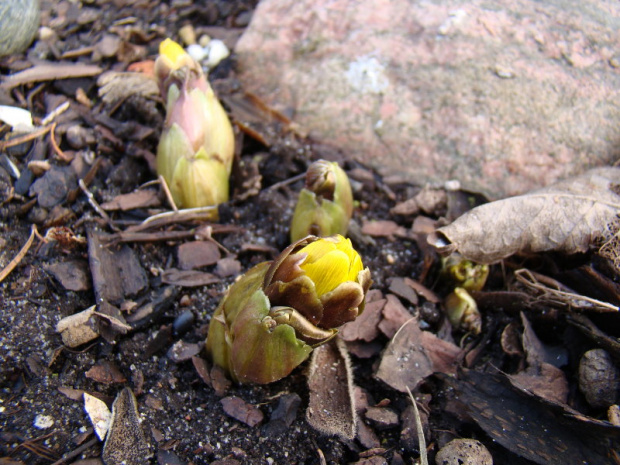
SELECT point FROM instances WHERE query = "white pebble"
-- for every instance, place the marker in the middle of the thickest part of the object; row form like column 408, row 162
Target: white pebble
column 43, row 421
column 197, row 52
column 217, row 52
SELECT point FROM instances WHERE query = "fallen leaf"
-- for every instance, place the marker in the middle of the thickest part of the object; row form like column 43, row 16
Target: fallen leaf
column 569, row 216
column 116, row 271
column 383, row 228
column 139, row 199
column 283, row 415
column 182, row 351
column 395, row 315
column 365, row 326
column 242, row 411
column 413, row 354
column 105, row 372
column 196, row 254
column 540, row 377
column 74, row 275
column 331, row 407
column 126, row 442
column 114, row 86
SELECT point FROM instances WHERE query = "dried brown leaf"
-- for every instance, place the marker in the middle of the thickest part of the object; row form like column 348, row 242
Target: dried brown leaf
column 242, row 411
column 105, row 372
column 413, row 354
column 139, row 199
column 331, row 408
column 126, row 442
column 569, row 216
column 365, row 326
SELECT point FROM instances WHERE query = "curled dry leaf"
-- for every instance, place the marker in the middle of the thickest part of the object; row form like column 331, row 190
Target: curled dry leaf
column 569, row 216
column 331, row 408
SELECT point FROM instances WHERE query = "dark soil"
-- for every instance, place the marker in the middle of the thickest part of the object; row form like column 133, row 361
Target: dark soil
column 182, row 417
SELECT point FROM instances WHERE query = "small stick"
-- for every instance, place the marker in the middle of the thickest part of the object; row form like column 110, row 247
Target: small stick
column 25, row 138
column 199, row 213
column 60, row 109
column 56, row 148
column 20, row 255
column 164, row 186
column 286, row 182
column 418, row 424
column 96, row 206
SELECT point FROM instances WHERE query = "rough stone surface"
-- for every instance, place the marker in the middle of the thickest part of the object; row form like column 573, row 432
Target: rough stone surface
column 504, row 96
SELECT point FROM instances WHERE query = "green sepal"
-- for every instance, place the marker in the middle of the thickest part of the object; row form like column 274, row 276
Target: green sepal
column 317, row 217
column 246, row 341
column 199, row 181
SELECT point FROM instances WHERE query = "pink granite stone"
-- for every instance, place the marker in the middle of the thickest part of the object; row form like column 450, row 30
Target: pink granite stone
column 503, row 96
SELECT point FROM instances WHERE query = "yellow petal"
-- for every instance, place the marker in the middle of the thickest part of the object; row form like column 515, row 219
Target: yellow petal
column 328, row 271
column 173, row 52
column 317, row 249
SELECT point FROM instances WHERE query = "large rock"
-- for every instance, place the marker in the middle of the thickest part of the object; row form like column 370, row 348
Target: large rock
column 504, row 96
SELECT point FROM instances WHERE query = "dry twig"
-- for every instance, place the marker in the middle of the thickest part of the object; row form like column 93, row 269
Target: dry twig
column 20, row 255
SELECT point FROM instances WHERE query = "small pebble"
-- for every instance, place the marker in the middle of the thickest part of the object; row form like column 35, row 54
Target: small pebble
column 43, row 421
column 197, row 52
column 599, row 378
column 19, row 22
column 183, row 323
column 218, row 51
column 464, row 452
column 187, row 34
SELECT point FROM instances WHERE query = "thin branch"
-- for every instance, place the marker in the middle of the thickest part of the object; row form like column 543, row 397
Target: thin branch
column 20, row 255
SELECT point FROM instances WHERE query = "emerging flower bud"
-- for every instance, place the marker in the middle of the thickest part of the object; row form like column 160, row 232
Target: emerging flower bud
column 464, row 273
column 325, row 204
column 276, row 313
column 462, row 311
column 196, row 149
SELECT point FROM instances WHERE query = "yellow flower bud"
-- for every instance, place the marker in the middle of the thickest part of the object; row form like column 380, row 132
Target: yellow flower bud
column 196, row 149
column 325, row 204
column 276, row 313
column 462, row 311
column 464, row 273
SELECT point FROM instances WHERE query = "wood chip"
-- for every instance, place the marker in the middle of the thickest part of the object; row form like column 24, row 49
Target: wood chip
column 188, row 278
